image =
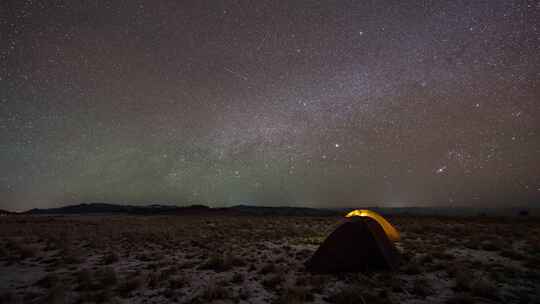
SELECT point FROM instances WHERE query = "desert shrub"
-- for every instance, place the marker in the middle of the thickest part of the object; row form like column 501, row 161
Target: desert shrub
column 412, row 268
column 220, row 263
column 70, row 256
column 56, row 295
column 316, row 283
column 213, row 291
column 294, row 295
column 106, row 276
column 442, row 255
column 268, row 268
column 461, row 298
column 233, row 260
column 512, row 254
column 7, row 297
column 215, row 263
column 492, row 245
column 462, row 279
column 100, row 296
column 483, row 287
column 237, row 278
column 177, row 282
column 110, row 258
column 244, row 294
column 129, row 285
column 424, row 258
column 273, row 281
column 422, row 287
column 27, row 251
column 355, row 295
column 84, row 279
column 48, row 281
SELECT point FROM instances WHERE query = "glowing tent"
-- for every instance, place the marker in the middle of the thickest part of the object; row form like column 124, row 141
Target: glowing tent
column 358, row 244
column 390, row 231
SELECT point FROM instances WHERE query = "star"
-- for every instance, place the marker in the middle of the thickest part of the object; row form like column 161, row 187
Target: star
column 441, row 170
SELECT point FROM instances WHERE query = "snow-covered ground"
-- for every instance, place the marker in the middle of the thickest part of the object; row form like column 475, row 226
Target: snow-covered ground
column 226, row 259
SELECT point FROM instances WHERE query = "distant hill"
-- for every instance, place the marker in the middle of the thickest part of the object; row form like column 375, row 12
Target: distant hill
column 103, row 208
column 454, row 211
column 4, row 212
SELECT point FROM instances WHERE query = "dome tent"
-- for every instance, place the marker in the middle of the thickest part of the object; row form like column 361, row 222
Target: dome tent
column 359, row 244
column 391, row 232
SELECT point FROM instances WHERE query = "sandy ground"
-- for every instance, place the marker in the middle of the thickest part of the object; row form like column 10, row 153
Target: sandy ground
column 225, row 259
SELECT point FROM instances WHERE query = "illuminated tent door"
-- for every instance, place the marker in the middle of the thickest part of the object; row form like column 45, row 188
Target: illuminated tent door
column 391, row 232
column 359, row 244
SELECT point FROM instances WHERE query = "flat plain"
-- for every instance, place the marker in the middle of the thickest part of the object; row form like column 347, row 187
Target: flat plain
column 259, row 259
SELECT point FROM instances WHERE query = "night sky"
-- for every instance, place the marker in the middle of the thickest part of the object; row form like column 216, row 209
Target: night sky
column 312, row 103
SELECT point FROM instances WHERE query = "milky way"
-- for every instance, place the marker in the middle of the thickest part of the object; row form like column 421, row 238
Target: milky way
column 316, row 103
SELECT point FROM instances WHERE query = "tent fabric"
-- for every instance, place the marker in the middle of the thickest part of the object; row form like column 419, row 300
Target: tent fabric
column 358, row 245
column 391, row 232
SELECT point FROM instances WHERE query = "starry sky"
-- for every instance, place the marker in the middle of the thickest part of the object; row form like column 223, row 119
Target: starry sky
column 300, row 103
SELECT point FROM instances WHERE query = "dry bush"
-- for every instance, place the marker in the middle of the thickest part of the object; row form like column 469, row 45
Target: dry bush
column 130, row 284
column 462, row 280
column 56, row 295
column 356, row 295
column 411, row 268
column 27, row 251
column 8, row 297
column 213, row 291
column 84, row 280
column 316, row 283
column 483, row 287
column 461, row 298
column 273, row 281
column 493, row 245
column 178, row 282
column 294, row 294
column 237, row 278
column 220, row 263
column 268, row 268
column 422, row 287
column 106, row 276
column 49, row 281
column 110, row 258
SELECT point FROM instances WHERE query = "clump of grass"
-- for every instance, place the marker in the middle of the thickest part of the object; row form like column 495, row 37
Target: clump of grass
column 177, row 282
column 8, row 297
column 294, row 294
column 512, row 254
column 129, row 285
column 273, row 281
column 412, row 268
column 492, row 245
column 268, row 268
column 213, row 291
column 483, row 287
column 48, row 281
column 316, row 283
column 84, row 280
column 27, row 251
column 355, row 295
column 422, row 287
column 221, row 263
column 56, row 295
column 106, row 276
column 461, row 298
column 237, row 278
column 110, row 258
